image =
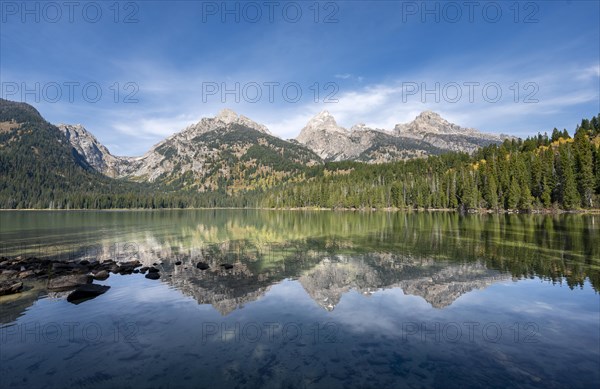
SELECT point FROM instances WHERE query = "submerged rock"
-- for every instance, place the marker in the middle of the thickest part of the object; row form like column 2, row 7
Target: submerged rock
column 10, row 287
column 62, row 283
column 202, row 266
column 128, row 266
column 133, row 263
column 153, row 276
column 86, row 292
column 101, row 275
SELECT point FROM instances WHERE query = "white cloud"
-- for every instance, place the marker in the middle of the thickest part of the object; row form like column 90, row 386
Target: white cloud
column 344, row 76
column 348, row 76
column 589, row 73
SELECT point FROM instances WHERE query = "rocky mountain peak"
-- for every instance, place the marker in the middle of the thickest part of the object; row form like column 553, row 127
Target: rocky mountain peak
column 222, row 120
column 429, row 115
column 429, row 122
column 324, row 120
column 229, row 116
column 432, row 122
column 323, row 115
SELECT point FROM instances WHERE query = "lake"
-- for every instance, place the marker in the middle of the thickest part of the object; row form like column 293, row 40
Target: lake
column 314, row 300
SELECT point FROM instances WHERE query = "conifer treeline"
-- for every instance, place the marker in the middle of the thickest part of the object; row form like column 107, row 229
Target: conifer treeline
column 544, row 171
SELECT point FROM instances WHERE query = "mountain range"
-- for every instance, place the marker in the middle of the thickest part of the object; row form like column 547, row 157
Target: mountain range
column 235, row 148
column 427, row 134
column 205, row 164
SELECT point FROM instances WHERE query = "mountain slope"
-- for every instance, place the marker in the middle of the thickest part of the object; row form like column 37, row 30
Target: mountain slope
column 227, row 150
column 38, row 166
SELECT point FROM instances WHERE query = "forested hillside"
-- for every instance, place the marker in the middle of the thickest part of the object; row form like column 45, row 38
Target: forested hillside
column 557, row 171
column 40, row 169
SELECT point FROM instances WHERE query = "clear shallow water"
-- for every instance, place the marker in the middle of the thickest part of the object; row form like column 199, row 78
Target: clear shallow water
column 315, row 299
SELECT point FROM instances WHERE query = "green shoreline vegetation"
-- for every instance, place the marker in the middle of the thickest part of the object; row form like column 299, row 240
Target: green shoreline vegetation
column 479, row 211
column 557, row 173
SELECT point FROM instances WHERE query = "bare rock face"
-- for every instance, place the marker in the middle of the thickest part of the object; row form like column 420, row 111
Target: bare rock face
column 94, row 152
column 428, row 134
column 429, row 122
column 430, row 127
column 360, row 143
column 332, row 142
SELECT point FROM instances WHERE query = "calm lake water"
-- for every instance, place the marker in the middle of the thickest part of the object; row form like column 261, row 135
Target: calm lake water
column 315, row 299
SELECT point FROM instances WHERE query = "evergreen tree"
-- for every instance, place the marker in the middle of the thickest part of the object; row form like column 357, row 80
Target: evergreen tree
column 584, row 165
column 514, row 194
column 555, row 135
column 490, row 190
column 546, row 195
column 568, row 186
column 597, row 168
column 526, row 199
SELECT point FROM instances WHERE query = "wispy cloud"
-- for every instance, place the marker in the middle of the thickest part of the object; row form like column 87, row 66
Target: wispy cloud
column 344, row 76
column 589, row 73
column 348, row 76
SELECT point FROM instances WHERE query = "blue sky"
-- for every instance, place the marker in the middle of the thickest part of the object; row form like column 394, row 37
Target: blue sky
column 370, row 61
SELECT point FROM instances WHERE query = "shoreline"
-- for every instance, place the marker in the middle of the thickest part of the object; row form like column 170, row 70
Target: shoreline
column 473, row 211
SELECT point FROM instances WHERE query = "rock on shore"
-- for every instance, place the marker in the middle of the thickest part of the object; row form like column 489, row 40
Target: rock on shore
column 10, row 287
